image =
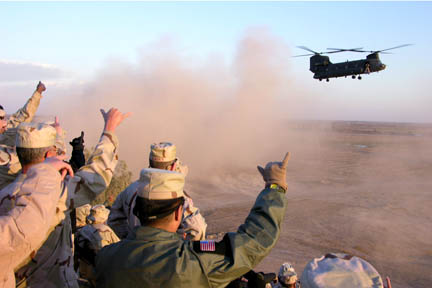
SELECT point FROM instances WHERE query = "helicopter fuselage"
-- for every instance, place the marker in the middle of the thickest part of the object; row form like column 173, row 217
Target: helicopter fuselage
column 322, row 67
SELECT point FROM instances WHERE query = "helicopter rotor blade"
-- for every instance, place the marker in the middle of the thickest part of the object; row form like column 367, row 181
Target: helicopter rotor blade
column 400, row 46
column 345, row 50
column 307, row 49
column 303, row 55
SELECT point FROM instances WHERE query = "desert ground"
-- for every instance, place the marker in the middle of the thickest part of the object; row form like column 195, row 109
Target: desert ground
column 361, row 188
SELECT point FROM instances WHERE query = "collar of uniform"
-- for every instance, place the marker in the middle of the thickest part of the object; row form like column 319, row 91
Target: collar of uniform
column 154, row 234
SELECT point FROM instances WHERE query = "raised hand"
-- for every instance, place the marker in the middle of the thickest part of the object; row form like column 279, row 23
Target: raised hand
column 275, row 172
column 113, row 118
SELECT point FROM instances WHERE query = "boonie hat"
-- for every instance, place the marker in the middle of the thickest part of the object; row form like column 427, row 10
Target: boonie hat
column 287, row 274
column 35, row 135
column 157, row 184
column 98, row 214
column 340, row 270
column 163, row 152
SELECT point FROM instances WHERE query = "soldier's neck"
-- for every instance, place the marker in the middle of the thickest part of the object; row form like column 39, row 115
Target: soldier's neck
column 26, row 167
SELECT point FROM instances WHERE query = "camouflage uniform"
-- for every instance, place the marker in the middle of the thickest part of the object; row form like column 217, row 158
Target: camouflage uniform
column 9, row 164
column 52, row 264
column 36, row 200
column 91, row 238
column 154, row 257
column 123, row 221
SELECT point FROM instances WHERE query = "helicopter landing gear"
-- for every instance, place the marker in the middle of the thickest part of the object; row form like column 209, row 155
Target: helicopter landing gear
column 328, row 80
column 359, row 77
column 353, row 76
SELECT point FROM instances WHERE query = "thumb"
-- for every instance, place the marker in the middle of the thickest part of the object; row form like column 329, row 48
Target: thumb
column 285, row 160
column 261, row 170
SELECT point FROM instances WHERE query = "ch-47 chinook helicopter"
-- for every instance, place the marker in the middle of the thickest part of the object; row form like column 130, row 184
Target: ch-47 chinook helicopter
column 324, row 69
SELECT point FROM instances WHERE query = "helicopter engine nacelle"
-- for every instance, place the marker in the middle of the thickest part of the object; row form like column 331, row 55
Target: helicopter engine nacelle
column 316, row 61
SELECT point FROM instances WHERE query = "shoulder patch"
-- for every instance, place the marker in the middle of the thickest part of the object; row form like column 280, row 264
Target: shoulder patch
column 211, row 246
column 207, row 245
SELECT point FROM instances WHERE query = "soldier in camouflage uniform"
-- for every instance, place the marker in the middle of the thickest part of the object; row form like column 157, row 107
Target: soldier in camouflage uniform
column 52, row 264
column 37, row 200
column 9, row 163
column 123, row 221
column 91, row 238
column 156, row 256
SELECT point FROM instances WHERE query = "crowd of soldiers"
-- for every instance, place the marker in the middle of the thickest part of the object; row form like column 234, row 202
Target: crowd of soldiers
column 152, row 236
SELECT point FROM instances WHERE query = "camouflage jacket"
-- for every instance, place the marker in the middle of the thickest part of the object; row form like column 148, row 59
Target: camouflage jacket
column 24, row 229
column 52, row 264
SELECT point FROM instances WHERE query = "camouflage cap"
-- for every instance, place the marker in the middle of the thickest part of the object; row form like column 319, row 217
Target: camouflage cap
column 35, row 135
column 81, row 214
column 163, row 152
column 98, row 214
column 287, row 274
column 157, row 184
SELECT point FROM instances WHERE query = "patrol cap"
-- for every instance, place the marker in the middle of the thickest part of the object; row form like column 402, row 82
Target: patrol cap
column 158, row 184
column 35, row 135
column 287, row 274
column 98, row 214
column 163, row 152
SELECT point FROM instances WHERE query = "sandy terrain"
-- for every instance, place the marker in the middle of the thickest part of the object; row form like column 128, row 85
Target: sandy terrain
column 354, row 187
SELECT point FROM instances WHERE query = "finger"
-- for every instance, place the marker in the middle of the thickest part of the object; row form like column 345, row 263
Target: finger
column 63, row 173
column 285, row 160
column 261, row 170
column 69, row 170
column 57, row 120
column 126, row 115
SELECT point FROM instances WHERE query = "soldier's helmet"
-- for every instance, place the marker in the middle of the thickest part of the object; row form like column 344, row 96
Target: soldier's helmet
column 98, row 214
column 287, row 274
column 35, row 135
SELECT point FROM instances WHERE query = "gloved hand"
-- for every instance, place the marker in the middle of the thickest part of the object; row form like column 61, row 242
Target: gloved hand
column 275, row 172
column 78, row 143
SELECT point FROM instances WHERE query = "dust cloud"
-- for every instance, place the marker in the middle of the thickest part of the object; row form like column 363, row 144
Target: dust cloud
column 216, row 113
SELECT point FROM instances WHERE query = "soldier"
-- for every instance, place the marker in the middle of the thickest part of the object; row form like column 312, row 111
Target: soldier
column 156, row 256
column 287, row 277
column 23, row 229
column 123, row 221
column 52, row 264
column 9, row 163
column 91, row 238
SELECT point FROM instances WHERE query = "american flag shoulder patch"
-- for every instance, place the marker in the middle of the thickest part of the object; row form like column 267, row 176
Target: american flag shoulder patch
column 207, row 245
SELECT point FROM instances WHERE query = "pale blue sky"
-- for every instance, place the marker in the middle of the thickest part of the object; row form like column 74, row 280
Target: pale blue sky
column 78, row 38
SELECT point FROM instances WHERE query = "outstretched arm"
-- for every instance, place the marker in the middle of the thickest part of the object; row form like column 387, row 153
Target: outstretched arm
column 255, row 238
column 24, row 114
column 94, row 177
